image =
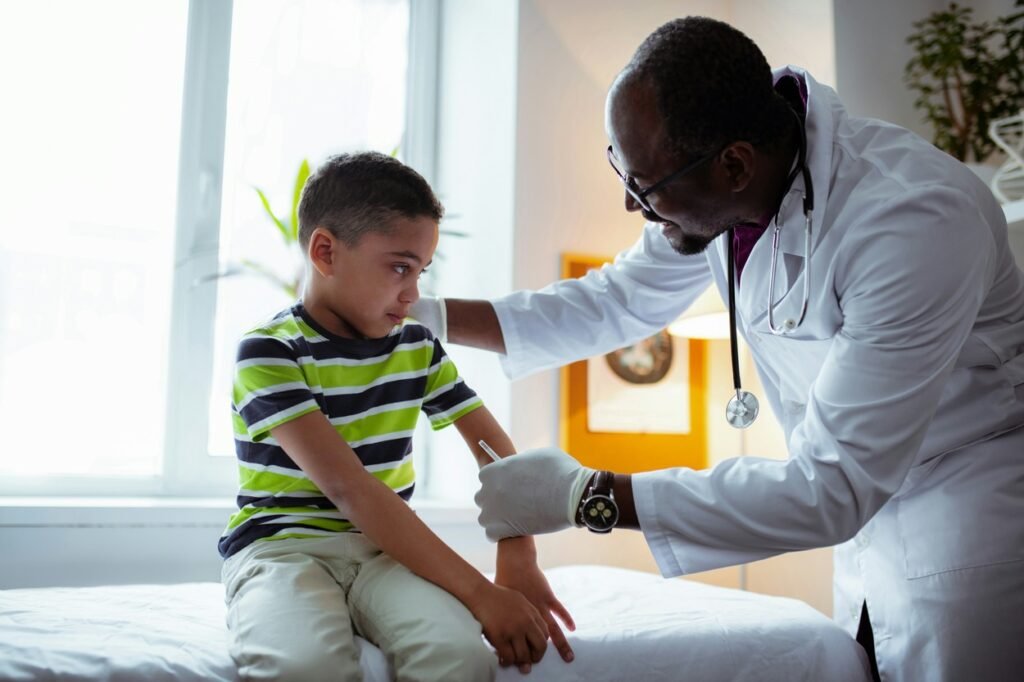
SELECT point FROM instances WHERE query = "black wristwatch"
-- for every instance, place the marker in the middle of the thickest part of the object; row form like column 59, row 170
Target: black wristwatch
column 598, row 511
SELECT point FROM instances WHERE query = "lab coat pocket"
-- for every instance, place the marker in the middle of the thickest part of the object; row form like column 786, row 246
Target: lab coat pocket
column 798, row 362
column 966, row 510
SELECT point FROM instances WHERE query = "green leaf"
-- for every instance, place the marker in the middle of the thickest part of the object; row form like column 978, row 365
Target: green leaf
column 300, row 182
column 965, row 73
column 270, row 212
column 263, row 271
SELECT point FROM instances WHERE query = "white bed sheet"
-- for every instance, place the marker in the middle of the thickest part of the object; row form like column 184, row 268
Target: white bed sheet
column 631, row 626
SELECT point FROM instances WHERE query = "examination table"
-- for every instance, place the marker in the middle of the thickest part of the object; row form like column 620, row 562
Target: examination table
column 631, row 626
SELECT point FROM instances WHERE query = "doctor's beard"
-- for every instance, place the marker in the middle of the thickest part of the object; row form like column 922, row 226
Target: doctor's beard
column 689, row 243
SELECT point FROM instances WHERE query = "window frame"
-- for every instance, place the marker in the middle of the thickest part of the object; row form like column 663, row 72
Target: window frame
column 188, row 468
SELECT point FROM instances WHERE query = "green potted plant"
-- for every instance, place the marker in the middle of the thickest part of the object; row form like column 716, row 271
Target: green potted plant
column 967, row 73
column 289, row 229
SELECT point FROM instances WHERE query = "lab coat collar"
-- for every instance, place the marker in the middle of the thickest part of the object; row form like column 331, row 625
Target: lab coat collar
column 822, row 105
column 819, row 125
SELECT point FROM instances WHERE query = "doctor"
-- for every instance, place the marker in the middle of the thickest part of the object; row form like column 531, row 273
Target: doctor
column 890, row 341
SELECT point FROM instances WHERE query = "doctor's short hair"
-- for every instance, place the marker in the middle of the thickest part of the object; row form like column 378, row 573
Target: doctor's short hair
column 351, row 195
column 713, row 86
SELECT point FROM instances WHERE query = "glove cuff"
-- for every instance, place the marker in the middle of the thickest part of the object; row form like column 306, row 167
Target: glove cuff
column 442, row 327
column 579, row 484
column 432, row 314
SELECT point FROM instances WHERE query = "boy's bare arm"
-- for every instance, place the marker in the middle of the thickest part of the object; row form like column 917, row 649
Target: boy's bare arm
column 312, row 443
column 480, row 425
column 517, row 557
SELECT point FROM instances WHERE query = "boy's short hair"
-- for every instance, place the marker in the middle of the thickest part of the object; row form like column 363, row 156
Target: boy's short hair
column 713, row 86
column 353, row 194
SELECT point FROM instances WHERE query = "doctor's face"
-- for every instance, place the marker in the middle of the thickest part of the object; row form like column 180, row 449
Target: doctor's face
column 680, row 194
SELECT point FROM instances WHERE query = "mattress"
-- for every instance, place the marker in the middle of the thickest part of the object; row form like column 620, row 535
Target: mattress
column 630, row 625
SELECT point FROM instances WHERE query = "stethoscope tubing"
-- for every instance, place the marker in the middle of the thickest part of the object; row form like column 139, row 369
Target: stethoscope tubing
column 742, row 409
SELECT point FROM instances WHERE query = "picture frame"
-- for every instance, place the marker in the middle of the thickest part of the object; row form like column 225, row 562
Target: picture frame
column 631, row 452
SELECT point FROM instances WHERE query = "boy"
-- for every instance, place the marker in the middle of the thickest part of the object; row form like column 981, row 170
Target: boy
column 325, row 401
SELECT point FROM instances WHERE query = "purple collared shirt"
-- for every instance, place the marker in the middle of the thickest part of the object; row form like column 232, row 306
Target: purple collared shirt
column 745, row 235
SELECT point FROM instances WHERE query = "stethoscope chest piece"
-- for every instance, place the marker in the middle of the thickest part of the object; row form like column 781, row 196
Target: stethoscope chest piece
column 741, row 411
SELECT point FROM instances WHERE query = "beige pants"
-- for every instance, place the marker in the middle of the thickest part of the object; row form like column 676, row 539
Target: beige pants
column 295, row 605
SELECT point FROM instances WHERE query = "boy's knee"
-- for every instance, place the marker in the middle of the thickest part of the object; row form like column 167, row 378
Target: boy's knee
column 299, row 664
column 478, row 660
column 457, row 657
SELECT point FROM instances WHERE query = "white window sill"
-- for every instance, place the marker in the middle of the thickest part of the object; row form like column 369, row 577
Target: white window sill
column 170, row 511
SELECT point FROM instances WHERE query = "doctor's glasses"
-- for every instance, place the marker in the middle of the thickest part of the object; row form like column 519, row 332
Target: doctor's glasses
column 640, row 195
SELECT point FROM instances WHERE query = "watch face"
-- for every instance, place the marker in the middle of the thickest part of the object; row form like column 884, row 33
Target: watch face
column 600, row 513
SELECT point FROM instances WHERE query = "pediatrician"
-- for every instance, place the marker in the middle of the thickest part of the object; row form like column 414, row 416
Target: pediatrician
column 876, row 289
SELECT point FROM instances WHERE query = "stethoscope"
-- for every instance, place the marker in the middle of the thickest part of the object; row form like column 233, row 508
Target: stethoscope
column 742, row 408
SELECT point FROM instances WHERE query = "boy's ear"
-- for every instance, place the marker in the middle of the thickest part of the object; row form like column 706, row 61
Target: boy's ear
column 322, row 246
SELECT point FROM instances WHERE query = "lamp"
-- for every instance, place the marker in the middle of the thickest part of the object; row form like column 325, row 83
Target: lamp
column 707, row 318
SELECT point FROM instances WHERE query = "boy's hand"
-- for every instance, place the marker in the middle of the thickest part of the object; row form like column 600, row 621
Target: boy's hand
column 519, row 571
column 511, row 624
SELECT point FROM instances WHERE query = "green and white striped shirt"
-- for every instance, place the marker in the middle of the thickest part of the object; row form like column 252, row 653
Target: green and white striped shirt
column 371, row 390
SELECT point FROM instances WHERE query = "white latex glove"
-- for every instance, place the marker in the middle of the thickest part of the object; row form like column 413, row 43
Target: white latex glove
column 432, row 314
column 536, row 491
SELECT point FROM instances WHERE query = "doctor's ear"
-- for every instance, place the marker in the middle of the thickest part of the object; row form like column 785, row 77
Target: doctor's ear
column 738, row 160
column 322, row 251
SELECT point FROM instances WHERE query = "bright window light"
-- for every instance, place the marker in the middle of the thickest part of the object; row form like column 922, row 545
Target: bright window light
column 89, row 137
column 117, row 333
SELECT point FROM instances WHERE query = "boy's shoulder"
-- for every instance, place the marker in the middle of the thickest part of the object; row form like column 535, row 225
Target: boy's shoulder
column 284, row 328
column 283, row 324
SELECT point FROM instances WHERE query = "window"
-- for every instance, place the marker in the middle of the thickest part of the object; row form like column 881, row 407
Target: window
column 129, row 168
column 89, row 138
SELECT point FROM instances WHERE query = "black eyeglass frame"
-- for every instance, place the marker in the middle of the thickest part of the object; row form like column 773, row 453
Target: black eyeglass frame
column 640, row 195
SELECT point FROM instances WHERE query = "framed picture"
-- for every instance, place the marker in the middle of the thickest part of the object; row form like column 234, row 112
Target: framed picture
column 636, row 408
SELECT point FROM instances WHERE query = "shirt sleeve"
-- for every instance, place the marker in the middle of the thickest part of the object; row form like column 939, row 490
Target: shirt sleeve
column 448, row 398
column 645, row 288
column 269, row 388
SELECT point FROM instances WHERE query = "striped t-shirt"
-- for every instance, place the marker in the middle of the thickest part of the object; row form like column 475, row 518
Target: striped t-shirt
column 371, row 391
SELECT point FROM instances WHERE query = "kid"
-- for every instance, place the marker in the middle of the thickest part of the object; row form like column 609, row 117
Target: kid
column 326, row 397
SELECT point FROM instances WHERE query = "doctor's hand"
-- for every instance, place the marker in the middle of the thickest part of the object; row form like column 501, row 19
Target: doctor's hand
column 533, row 492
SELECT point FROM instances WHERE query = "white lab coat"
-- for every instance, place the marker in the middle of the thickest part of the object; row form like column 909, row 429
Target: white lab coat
column 901, row 395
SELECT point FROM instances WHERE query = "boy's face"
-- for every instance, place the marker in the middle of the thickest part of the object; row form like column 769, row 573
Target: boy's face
column 370, row 286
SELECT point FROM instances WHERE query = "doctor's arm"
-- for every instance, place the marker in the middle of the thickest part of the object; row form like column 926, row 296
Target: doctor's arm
column 473, row 322
column 645, row 288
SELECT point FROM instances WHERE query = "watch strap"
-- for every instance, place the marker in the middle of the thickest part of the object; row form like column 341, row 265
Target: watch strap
column 600, row 484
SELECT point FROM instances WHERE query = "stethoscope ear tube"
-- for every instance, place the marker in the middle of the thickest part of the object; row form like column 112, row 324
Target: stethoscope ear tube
column 790, row 324
column 742, row 408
